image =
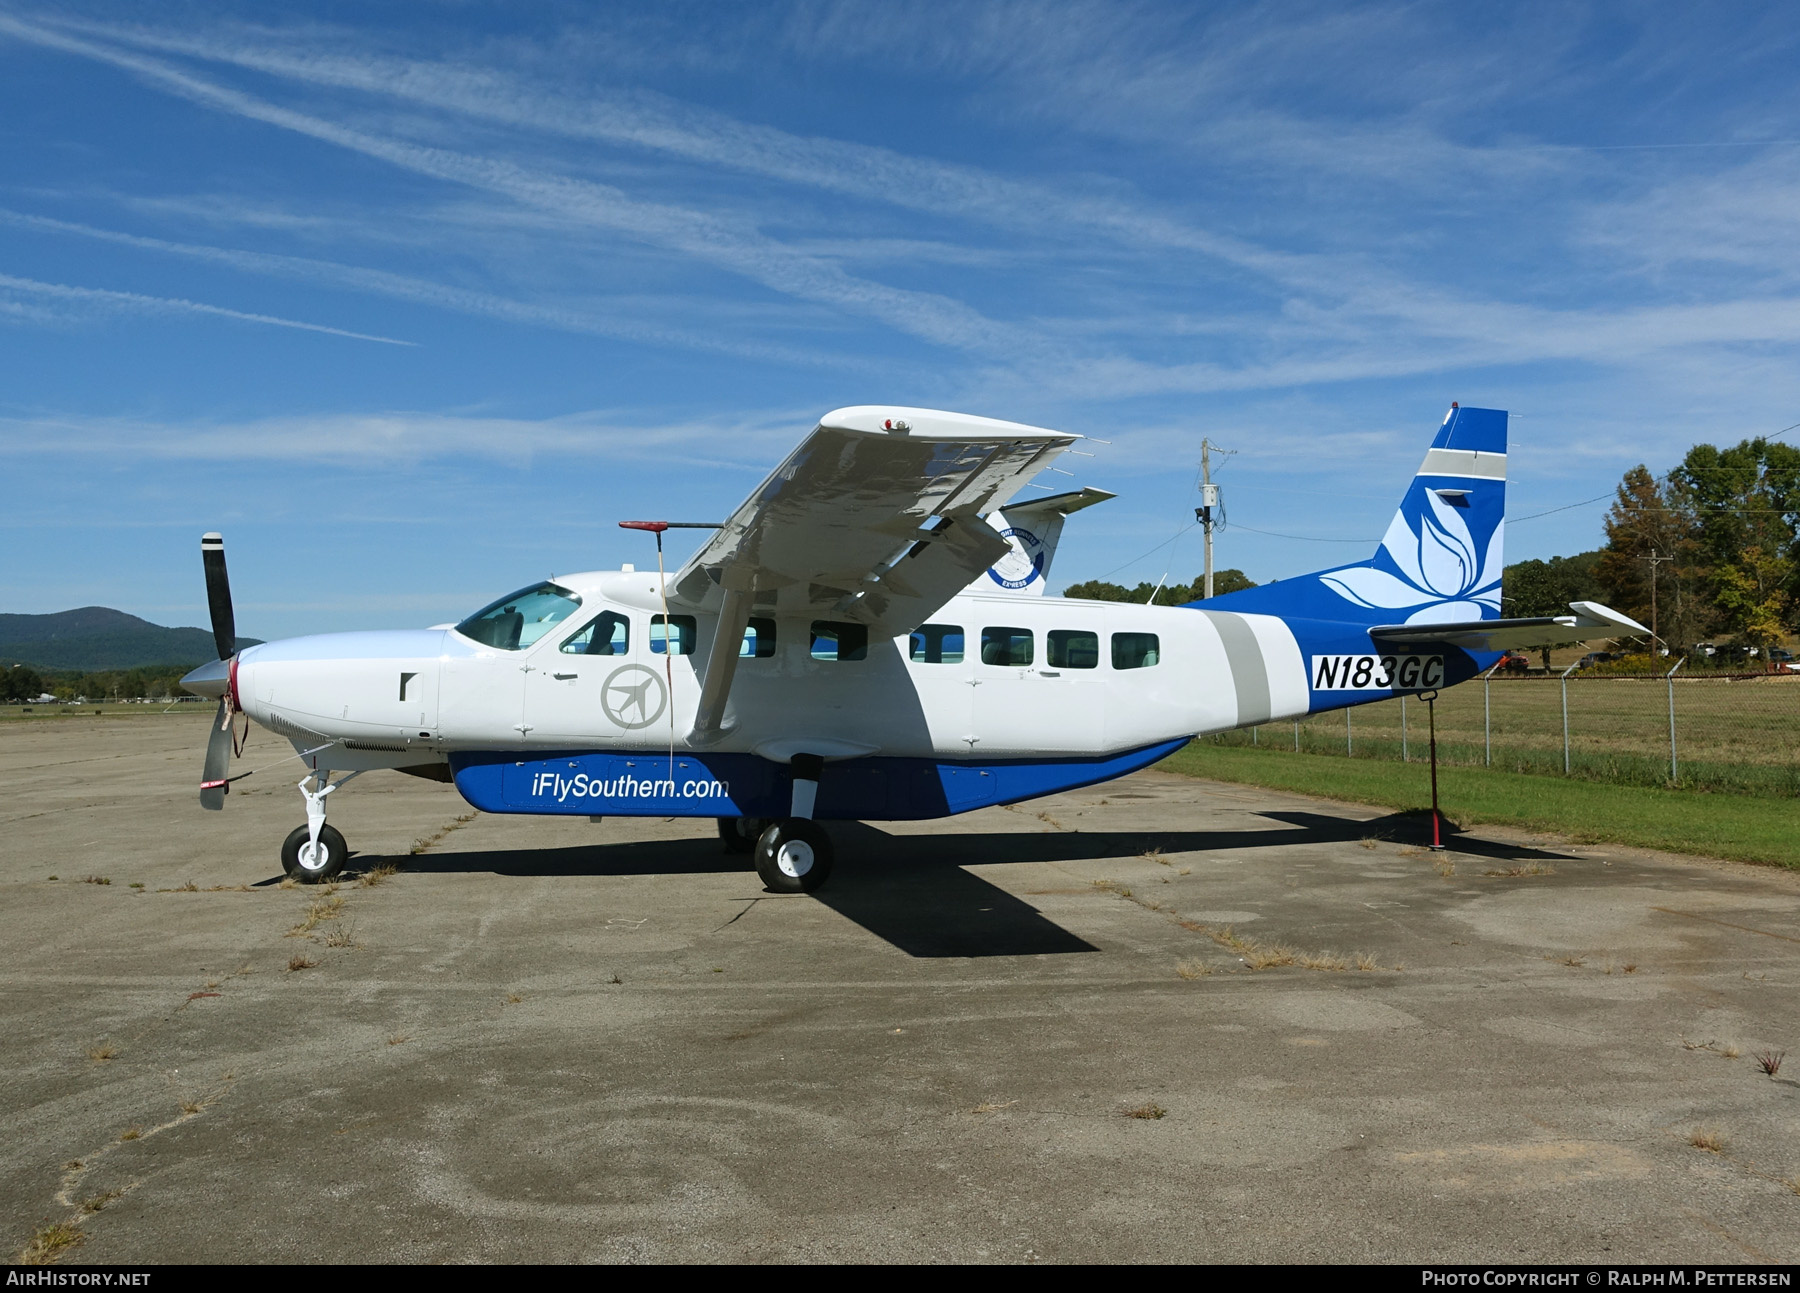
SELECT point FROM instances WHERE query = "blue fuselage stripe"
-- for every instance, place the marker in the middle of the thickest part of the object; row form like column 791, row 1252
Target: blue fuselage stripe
column 650, row 784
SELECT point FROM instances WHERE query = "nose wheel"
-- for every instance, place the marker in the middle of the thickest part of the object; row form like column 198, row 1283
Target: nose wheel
column 793, row 856
column 310, row 862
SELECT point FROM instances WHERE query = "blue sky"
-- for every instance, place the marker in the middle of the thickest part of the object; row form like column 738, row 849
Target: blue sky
column 414, row 310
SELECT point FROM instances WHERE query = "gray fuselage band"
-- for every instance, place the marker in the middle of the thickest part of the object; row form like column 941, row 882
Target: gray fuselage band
column 1249, row 672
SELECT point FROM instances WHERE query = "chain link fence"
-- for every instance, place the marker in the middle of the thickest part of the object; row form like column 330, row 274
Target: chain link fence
column 1733, row 733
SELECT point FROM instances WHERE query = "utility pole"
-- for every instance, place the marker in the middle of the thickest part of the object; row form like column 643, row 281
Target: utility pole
column 1208, row 512
column 1654, row 561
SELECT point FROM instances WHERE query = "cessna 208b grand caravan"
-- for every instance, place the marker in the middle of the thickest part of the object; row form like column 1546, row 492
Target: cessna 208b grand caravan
column 825, row 655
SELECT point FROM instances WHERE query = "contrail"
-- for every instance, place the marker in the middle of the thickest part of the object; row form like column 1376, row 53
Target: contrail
column 137, row 301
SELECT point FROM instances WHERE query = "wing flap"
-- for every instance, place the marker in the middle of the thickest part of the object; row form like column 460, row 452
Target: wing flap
column 873, row 518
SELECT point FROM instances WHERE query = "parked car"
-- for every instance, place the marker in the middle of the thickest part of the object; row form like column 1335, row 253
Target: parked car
column 1780, row 655
column 1514, row 662
column 1593, row 658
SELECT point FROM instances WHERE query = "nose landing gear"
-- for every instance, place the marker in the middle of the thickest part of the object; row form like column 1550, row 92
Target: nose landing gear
column 315, row 852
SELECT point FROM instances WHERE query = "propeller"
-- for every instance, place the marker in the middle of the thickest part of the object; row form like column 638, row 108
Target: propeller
column 216, row 679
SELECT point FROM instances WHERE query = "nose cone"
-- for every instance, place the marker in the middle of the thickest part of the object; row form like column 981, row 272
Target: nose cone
column 209, row 679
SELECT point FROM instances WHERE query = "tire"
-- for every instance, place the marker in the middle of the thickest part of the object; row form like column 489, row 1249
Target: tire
column 739, row 834
column 331, row 844
column 793, row 856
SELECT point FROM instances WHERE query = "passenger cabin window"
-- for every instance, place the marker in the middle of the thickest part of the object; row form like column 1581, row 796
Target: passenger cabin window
column 609, row 634
column 936, row 644
column 834, row 641
column 1135, row 650
column 1073, row 649
column 759, row 639
column 674, row 636
column 515, row 622
column 1006, row 647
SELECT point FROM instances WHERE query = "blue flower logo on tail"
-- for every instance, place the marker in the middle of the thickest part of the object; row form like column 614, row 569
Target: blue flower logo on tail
column 1443, row 573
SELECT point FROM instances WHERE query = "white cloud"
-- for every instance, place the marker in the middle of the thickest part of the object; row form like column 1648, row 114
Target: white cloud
column 89, row 300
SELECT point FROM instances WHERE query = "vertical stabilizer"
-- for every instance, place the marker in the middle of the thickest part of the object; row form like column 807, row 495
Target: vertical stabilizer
column 1031, row 529
column 1441, row 559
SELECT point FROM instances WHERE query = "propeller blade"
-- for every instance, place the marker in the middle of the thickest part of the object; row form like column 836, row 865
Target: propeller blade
column 218, row 594
column 218, row 756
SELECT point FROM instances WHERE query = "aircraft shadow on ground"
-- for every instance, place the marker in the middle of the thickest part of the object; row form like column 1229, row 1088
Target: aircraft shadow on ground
column 914, row 891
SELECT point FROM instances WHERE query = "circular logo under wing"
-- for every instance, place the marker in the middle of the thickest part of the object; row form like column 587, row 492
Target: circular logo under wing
column 633, row 696
column 1021, row 565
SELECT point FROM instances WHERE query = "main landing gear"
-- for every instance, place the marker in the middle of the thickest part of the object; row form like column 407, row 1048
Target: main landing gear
column 793, row 854
column 315, row 852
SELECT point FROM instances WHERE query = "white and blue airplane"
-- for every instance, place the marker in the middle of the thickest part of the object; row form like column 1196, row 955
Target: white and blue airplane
column 825, row 655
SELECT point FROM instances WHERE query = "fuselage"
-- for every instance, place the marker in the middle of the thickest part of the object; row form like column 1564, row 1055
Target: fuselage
column 1004, row 679
column 999, row 676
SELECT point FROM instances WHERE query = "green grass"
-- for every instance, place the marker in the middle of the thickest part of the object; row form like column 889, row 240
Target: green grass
column 1740, row 827
column 1735, row 737
column 106, row 708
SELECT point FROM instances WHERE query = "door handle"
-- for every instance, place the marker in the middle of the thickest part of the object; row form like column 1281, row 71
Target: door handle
column 565, row 675
column 1049, row 673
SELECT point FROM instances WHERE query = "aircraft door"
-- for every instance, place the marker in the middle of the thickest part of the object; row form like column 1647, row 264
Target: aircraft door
column 590, row 686
column 1039, row 689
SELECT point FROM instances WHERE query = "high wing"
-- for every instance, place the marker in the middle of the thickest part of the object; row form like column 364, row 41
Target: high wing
column 1509, row 635
column 873, row 519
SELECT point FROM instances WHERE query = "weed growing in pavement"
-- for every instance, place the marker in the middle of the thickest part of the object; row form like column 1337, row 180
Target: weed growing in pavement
column 1513, row 872
column 1323, row 961
column 97, row 879
column 1770, row 1061
column 49, row 1243
column 300, row 963
column 92, row 1205
column 1710, row 1141
column 993, row 1106
column 329, row 907
column 377, row 875
column 1193, row 969
column 102, row 1053
column 131, row 1133
column 1150, row 1111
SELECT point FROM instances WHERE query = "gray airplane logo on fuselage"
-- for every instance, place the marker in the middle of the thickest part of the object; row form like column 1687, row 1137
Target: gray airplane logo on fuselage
column 625, row 696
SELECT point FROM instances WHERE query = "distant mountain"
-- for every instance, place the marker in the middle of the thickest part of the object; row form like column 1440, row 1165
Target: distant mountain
column 97, row 637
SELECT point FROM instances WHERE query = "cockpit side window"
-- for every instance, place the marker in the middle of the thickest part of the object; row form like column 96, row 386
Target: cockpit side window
column 609, row 633
column 515, row 622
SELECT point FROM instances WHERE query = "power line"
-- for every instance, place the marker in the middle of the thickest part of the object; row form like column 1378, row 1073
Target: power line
column 1307, row 538
column 1158, row 548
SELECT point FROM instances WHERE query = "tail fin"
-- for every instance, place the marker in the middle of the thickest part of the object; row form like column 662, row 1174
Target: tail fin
column 1031, row 528
column 1443, row 553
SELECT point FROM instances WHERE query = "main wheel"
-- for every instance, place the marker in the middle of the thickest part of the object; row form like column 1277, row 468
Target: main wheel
column 739, row 834
column 313, row 865
column 793, row 856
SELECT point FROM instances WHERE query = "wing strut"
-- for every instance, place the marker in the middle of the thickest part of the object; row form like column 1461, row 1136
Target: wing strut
column 715, row 688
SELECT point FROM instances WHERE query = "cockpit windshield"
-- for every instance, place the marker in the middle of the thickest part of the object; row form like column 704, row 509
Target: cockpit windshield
column 516, row 621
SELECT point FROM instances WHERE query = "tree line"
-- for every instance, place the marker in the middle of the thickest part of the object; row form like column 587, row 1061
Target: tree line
column 1166, row 594
column 25, row 683
column 1710, row 550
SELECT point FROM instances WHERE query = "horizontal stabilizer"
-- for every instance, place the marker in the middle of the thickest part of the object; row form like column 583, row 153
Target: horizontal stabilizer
column 1590, row 619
